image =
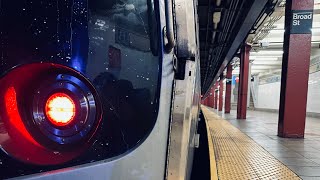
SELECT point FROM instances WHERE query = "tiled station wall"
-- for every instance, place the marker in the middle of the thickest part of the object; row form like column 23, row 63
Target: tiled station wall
column 268, row 94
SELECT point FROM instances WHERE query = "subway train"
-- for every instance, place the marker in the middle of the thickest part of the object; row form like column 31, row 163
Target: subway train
column 98, row 89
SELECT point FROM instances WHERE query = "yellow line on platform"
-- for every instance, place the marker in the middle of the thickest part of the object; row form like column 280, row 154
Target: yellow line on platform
column 236, row 156
column 213, row 164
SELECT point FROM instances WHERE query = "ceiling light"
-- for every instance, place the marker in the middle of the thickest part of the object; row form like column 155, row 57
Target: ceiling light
column 267, row 53
column 263, row 58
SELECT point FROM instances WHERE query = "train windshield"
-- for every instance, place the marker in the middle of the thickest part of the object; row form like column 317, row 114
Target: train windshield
column 112, row 43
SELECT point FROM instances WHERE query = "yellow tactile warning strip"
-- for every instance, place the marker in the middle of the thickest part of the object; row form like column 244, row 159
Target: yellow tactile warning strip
column 213, row 165
column 238, row 156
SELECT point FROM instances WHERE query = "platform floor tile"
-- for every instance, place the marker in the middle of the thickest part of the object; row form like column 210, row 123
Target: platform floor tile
column 240, row 157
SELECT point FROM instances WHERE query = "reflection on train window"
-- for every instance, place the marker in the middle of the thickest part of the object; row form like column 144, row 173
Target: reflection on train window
column 126, row 69
column 113, row 43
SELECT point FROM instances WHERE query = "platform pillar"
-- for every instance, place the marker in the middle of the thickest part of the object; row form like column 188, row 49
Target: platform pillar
column 211, row 97
column 227, row 104
column 243, row 82
column 295, row 68
column 221, row 92
column 206, row 101
column 216, row 96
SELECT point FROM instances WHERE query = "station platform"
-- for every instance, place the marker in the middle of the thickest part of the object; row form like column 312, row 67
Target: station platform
column 250, row 149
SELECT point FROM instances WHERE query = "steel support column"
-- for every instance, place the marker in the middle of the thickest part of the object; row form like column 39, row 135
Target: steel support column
column 227, row 104
column 211, row 97
column 216, row 96
column 221, row 92
column 295, row 68
column 243, row 82
column 206, row 102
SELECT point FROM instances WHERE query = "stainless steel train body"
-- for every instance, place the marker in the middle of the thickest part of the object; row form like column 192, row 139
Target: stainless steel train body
column 135, row 93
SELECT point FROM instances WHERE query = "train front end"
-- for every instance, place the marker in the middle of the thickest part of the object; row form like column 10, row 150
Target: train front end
column 85, row 89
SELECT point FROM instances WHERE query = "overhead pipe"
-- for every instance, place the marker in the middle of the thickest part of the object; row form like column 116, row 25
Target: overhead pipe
column 218, row 3
column 227, row 24
column 251, row 16
column 230, row 26
column 217, row 19
column 207, row 34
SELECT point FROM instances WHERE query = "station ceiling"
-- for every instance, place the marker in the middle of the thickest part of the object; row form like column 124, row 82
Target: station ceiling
column 266, row 54
column 223, row 27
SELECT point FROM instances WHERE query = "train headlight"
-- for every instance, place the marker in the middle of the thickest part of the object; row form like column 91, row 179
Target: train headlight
column 60, row 109
column 51, row 115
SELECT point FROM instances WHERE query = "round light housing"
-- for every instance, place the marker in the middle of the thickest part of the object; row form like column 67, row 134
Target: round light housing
column 60, row 109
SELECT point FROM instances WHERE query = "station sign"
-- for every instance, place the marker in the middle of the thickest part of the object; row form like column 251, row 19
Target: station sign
column 301, row 21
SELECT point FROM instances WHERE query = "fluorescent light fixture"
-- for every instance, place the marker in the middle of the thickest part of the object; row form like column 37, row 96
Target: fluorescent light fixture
column 277, row 31
column 314, row 30
column 281, row 43
column 263, row 67
column 252, row 71
column 262, row 58
column 315, row 24
column 281, row 31
column 267, row 53
column 267, row 62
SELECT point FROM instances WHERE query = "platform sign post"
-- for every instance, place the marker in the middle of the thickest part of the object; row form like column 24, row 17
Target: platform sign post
column 295, row 68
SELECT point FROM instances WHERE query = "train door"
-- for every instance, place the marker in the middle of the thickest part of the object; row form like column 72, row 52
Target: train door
column 185, row 112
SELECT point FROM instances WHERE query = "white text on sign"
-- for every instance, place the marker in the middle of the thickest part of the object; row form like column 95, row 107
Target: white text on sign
column 297, row 17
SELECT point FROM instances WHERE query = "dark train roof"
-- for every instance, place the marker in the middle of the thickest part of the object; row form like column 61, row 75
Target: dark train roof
column 219, row 42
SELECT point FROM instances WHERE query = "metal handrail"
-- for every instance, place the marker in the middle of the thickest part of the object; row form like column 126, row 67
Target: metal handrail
column 168, row 30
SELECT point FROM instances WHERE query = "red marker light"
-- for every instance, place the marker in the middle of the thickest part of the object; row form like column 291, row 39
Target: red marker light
column 60, row 109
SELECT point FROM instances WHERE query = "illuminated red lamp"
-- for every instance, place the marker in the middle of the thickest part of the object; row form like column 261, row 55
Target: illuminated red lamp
column 60, row 109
